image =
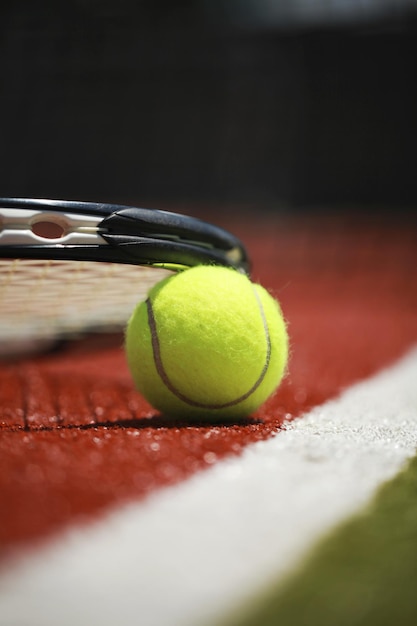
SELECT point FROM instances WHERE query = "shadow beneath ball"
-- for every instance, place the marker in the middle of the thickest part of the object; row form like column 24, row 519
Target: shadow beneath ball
column 158, row 421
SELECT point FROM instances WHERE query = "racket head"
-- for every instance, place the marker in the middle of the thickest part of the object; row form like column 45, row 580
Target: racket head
column 71, row 268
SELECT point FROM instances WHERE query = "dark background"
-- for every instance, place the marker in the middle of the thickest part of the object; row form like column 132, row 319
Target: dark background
column 216, row 103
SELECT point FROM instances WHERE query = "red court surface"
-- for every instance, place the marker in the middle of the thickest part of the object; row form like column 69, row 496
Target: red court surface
column 75, row 437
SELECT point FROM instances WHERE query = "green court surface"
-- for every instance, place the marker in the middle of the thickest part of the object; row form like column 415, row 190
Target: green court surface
column 363, row 574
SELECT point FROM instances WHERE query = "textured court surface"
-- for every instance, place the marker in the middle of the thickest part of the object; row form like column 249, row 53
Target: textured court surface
column 91, row 477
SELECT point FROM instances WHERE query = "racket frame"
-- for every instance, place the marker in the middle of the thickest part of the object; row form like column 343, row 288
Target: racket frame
column 115, row 233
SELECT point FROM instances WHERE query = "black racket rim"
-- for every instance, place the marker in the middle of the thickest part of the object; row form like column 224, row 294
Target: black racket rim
column 133, row 235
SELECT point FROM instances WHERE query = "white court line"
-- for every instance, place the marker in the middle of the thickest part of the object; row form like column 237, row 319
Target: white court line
column 192, row 552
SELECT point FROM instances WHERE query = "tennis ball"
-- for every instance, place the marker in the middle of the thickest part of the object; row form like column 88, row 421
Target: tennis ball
column 207, row 343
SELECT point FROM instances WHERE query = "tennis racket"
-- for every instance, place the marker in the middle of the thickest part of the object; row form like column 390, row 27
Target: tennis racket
column 70, row 268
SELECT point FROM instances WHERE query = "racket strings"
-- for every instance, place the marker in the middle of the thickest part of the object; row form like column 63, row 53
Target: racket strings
column 60, row 298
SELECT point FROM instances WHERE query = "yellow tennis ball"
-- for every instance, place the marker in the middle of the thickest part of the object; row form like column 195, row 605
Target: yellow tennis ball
column 207, row 343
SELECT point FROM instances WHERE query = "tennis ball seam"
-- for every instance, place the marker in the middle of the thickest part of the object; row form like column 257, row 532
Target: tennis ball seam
column 177, row 393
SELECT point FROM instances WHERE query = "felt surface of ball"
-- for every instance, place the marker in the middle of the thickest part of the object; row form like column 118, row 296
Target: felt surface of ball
column 207, row 342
